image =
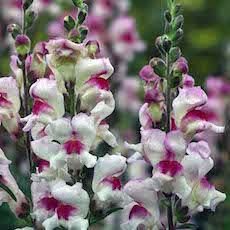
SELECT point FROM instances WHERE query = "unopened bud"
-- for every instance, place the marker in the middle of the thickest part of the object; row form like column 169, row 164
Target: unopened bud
column 178, row 22
column 177, row 36
column 158, row 66
column 166, row 43
column 159, row 44
column 30, row 17
column 168, row 16
column 176, row 9
column 69, row 23
column 174, row 54
column 75, row 36
column 14, row 29
column 84, row 32
column 22, row 44
column 93, row 47
column 27, row 4
column 83, row 14
column 78, row 3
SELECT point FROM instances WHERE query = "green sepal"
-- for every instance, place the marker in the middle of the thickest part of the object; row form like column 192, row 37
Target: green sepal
column 159, row 66
column 8, row 190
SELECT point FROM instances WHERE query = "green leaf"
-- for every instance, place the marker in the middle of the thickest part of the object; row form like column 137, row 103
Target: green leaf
column 96, row 220
column 5, row 188
column 187, row 226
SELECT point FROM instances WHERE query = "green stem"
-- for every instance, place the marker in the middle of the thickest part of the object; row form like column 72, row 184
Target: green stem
column 170, row 214
column 168, row 95
column 72, row 102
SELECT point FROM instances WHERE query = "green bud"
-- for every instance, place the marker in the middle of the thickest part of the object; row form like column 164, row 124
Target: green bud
column 84, row 32
column 27, row 4
column 78, row 3
column 75, row 36
column 159, row 44
column 159, row 66
column 22, row 44
column 155, row 111
column 176, row 9
column 82, row 14
column 174, row 54
column 176, row 37
column 175, row 82
column 178, row 22
column 69, row 23
column 30, row 17
column 168, row 16
column 93, row 47
column 14, row 29
column 166, row 43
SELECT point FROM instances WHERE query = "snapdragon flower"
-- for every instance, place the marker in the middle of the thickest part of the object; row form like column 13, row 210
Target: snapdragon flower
column 58, row 204
column 71, row 64
column 48, row 104
column 68, row 142
column 20, row 206
column 188, row 114
column 10, row 105
column 124, row 38
column 143, row 211
column 106, row 184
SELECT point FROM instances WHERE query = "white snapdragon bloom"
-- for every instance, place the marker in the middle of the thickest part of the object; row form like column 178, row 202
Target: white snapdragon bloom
column 68, row 142
column 58, row 204
column 10, row 105
column 21, row 206
column 144, row 210
column 106, row 184
column 48, row 104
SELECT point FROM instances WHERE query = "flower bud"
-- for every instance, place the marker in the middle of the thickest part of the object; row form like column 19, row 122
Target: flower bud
column 30, row 17
column 176, row 9
column 82, row 14
column 78, row 3
column 84, row 32
column 180, row 67
column 155, row 110
column 27, row 4
column 159, row 66
column 69, row 23
column 75, row 36
column 168, row 16
column 178, row 22
column 22, row 44
column 177, row 36
column 166, row 43
column 174, row 54
column 159, row 44
column 148, row 75
column 153, row 95
column 14, row 29
column 93, row 47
